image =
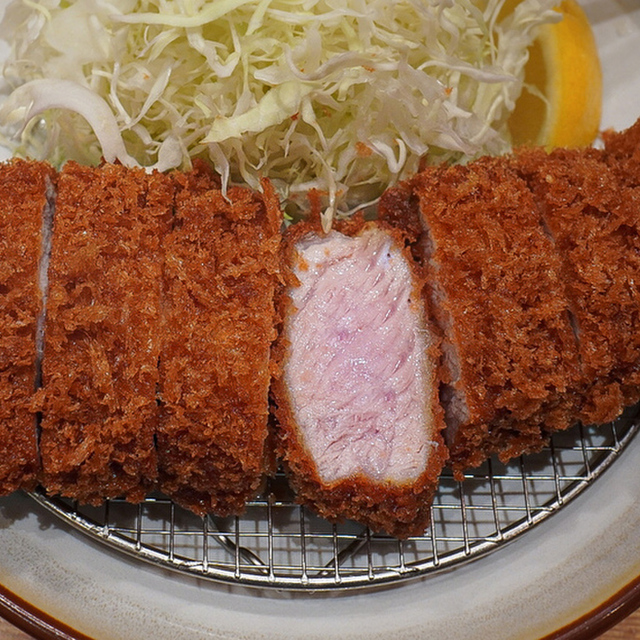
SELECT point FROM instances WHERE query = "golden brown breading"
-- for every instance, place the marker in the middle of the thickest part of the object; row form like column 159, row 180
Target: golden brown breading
column 221, row 271
column 25, row 192
column 400, row 508
column 102, row 333
column 622, row 153
column 595, row 222
column 494, row 288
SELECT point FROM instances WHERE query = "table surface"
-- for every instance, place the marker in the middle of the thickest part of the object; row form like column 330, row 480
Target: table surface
column 628, row 629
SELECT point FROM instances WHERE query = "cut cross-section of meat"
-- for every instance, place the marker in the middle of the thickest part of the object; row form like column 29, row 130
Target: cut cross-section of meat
column 356, row 395
column 220, row 278
column 26, row 201
column 509, row 363
column 100, row 364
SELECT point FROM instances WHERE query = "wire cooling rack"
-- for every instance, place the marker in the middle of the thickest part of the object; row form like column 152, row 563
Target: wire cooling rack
column 279, row 544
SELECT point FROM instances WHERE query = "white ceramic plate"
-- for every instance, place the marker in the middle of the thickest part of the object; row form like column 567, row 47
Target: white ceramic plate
column 576, row 564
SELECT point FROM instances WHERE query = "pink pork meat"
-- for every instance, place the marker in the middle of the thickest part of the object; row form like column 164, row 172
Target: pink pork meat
column 360, row 423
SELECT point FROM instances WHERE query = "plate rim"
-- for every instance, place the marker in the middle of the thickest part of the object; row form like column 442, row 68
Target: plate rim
column 602, row 618
column 34, row 621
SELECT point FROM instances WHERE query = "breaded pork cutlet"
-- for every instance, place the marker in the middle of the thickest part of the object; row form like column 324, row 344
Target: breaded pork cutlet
column 221, row 273
column 622, row 153
column 510, row 357
column 356, row 392
column 26, row 192
column 593, row 218
column 100, row 365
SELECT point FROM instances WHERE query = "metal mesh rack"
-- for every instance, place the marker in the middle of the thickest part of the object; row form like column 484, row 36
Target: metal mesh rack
column 279, row 544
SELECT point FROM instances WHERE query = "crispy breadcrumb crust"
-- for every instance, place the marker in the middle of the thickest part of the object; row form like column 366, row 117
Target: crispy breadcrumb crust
column 102, row 333
column 401, row 510
column 593, row 218
column 493, row 284
column 622, row 153
column 494, row 289
column 221, row 272
column 24, row 187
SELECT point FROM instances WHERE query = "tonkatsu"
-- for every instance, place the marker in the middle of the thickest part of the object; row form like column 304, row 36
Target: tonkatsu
column 593, row 218
column 356, row 393
column 493, row 285
column 220, row 277
column 159, row 333
column 102, row 333
column 26, row 206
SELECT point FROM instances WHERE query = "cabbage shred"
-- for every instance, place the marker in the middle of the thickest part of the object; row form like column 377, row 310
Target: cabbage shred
column 341, row 96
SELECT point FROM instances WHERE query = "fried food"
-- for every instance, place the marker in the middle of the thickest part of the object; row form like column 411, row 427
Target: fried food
column 360, row 424
column 622, row 153
column 493, row 284
column 592, row 216
column 499, row 298
column 26, row 194
column 100, row 365
column 220, row 276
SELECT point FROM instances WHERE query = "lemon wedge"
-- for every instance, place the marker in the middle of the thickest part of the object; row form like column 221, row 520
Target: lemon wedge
column 564, row 108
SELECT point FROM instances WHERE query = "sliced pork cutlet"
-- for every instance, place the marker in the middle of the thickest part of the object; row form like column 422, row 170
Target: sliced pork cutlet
column 510, row 356
column 356, row 391
column 622, row 153
column 102, row 342
column 594, row 220
column 221, row 273
column 26, row 206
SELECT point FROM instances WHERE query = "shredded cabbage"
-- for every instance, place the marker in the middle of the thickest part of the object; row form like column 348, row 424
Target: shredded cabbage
column 341, row 96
